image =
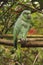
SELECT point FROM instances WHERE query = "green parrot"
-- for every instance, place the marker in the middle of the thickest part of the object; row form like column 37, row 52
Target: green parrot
column 21, row 27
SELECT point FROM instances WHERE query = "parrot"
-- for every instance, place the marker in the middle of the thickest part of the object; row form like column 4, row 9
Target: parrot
column 21, row 27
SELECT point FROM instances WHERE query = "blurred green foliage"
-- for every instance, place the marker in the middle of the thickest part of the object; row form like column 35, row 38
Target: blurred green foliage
column 29, row 56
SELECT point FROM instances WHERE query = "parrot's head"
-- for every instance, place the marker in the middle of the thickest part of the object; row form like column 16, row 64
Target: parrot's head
column 27, row 14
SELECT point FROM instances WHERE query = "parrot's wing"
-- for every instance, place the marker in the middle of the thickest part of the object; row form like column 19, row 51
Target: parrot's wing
column 24, row 30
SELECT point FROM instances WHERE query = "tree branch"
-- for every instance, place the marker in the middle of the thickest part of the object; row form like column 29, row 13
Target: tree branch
column 36, row 59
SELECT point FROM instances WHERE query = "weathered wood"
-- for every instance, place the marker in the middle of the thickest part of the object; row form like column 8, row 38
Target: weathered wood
column 28, row 36
column 30, row 42
column 6, row 36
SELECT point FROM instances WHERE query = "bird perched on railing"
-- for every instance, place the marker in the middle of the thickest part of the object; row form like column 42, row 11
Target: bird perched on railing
column 22, row 26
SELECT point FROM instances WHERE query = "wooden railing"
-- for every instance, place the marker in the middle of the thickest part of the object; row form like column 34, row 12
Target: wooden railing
column 31, row 40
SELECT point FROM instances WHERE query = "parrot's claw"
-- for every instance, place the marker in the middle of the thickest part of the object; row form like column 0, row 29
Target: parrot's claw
column 23, row 41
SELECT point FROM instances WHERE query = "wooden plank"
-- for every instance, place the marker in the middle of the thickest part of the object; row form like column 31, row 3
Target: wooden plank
column 30, row 42
column 28, row 36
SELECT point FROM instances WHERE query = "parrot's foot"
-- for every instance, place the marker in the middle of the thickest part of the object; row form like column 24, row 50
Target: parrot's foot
column 23, row 41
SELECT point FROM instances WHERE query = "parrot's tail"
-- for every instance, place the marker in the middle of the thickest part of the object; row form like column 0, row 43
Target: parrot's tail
column 15, row 43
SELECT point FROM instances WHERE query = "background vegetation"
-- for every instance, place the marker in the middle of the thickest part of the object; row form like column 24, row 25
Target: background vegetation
column 9, row 13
